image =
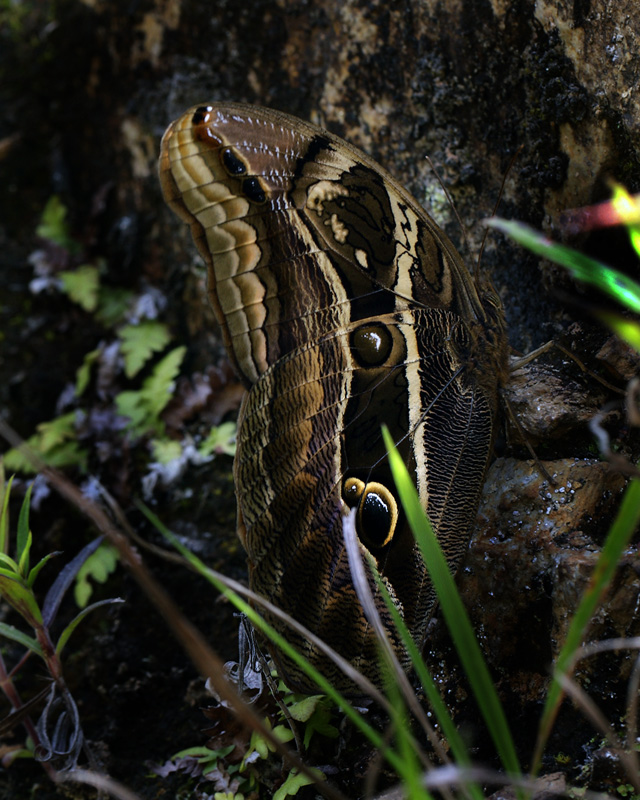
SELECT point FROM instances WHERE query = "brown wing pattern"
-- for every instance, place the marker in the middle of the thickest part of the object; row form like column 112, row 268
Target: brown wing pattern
column 343, row 307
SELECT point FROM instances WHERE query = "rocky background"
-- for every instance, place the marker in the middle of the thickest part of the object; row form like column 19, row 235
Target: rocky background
column 542, row 96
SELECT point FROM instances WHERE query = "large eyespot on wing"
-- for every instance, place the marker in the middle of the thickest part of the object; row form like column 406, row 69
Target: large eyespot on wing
column 377, row 511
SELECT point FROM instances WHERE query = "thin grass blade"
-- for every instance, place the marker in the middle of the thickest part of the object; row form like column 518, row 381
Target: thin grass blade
column 621, row 531
column 454, row 613
column 610, row 281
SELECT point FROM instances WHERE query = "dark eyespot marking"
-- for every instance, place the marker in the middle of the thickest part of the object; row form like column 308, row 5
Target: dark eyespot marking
column 232, row 163
column 201, row 115
column 352, row 491
column 377, row 515
column 371, row 344
column 252, row 190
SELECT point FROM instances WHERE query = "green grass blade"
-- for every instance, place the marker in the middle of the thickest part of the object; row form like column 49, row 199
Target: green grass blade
column 621, row 531
column 412, row 779
column 454, row 613
column 625, row 329
column 609, row 281
column 23, row 540
column 66, row 633
column 628, row 207
column 5, row 493
column 438, row 706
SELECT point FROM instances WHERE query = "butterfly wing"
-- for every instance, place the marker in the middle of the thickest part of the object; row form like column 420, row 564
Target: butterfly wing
column 343, row 307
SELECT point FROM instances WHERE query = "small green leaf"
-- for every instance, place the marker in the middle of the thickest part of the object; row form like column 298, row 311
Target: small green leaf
column 83, row 373
column 166, row 450
column 139, row 342
column 17, row 461
column 20, row 596
column 55, row 442
column 9, row 566
column 303, row 709
column 36, row 570
column 159, row 384
column 9, row 632
column 81, row 285
column 294, row 782
column 23, row 564
column 56, row 431
column 221, row 439
column 23, row 539
column 283, row 733
column 5, row 493
column 53, row 225
column 261, row 746
column 144, row 406
column 98, row 566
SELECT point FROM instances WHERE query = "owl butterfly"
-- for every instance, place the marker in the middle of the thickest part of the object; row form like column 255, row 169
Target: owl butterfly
column 343, row 306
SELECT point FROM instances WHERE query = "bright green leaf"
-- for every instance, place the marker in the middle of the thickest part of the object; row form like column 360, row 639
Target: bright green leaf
column 14, row 755
column 166, row 450
column 139, row 342
column 23, row 538
column 319, row 723
column 23, row 564
column 221, row 439
column 259, row 744
column 56, row 431
column 9, row 632
column 20, row 596
column 133, row 405
column 53, row 225
column 159, row 385
column 17, row 461
column 83, row 373
column 294, row 782
column 144, row 406
column 8, row 565
column 283, row 733
column 81, row 285
column 36, row 569
column 303, row 709
column 98, row 566
column 55, row 442
column 5, row 492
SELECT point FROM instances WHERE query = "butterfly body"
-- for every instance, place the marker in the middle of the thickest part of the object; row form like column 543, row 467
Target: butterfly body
column 344, row 307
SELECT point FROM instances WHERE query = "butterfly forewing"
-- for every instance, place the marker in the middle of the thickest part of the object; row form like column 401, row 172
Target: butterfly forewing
column 344, row 307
